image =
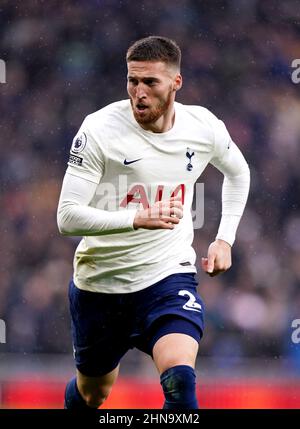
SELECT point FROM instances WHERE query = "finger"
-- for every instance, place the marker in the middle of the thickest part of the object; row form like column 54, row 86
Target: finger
column 171, row 204
column 175, row 203
column 166, row 225
column 211, row 262
column 167, row 206
column 177, row 212
column 161, row 225
column 167, row 211
column 204, row 263
column 173, row 212
column 171, row 219
column 176, row 198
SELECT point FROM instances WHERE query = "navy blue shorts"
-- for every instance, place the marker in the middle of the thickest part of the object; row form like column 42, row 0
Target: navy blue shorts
column 106, row 326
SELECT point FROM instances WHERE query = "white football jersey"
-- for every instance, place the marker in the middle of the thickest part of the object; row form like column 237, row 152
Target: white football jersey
column 134, row 168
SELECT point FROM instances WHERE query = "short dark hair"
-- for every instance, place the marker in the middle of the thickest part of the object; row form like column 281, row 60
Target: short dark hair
column 155, row 48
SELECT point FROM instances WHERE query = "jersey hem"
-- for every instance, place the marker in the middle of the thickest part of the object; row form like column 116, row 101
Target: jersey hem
column 137, row 287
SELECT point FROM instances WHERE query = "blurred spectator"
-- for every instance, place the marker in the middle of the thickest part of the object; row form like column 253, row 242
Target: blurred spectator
column 67, row 59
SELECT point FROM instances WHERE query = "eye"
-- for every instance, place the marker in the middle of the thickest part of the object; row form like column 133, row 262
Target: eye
column 149, row 82
column 132, row 81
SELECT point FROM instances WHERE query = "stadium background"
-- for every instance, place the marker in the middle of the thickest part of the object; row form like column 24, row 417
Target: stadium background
column 64, row 60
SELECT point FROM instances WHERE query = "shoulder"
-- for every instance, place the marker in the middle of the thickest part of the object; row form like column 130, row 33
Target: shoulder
column 201, row 120
column 97, row 126
column 108, row 115
column 211, row 126
column 199, row 113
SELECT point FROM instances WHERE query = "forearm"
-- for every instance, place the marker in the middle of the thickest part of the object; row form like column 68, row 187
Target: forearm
column 81, row 220
column 76, row 217
column 234, row 197
column 235, row 192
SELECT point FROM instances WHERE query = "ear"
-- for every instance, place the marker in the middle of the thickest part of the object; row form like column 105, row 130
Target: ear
column 177, row 82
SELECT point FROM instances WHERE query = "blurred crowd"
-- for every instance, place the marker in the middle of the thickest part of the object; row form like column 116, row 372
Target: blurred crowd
column 66, row 59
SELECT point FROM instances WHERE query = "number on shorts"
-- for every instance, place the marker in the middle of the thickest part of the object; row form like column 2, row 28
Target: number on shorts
column 191, row 304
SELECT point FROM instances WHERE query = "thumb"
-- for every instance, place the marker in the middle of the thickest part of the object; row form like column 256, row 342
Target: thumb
column 204, row 263
column 210, row 262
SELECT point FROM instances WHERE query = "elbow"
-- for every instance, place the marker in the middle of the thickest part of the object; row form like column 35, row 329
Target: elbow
column 66, row 220
column 248, row 174
column 63, row 231
column 247, row 169
column 244, row 172
column 62, row 224
column 62, row 227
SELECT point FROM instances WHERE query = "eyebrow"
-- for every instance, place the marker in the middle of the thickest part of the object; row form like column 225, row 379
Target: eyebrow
column 144, row 78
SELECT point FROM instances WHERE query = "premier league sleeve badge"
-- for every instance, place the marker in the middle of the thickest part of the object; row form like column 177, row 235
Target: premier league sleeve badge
column 79, row 143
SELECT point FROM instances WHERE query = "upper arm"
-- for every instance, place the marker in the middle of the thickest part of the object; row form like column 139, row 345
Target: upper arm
column 86, row 154
column 231, row 162
column 76, row 190
column 226, row 156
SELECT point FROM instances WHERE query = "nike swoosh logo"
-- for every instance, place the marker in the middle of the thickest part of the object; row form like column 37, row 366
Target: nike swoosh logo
column 130, row 162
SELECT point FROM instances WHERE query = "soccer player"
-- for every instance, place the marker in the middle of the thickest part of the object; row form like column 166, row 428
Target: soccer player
column 128, row 191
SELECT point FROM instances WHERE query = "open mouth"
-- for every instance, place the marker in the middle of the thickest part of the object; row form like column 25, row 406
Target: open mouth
column 141, row 107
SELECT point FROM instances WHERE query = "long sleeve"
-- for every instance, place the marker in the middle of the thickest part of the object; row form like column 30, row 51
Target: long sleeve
column 76, row 217
column 235, row 189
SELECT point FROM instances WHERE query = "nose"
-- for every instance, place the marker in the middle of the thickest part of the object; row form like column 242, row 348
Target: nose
column 140, row 91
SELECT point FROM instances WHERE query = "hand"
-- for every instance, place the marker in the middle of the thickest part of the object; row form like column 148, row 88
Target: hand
column 162, row 215
column 218, row 258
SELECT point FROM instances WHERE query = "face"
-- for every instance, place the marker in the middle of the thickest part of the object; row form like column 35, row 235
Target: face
column 151, row 86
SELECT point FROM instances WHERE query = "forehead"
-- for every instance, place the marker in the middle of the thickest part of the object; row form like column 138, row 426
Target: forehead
column 148, row 68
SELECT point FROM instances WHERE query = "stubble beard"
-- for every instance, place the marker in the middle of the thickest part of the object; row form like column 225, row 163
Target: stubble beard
column 153, row 113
